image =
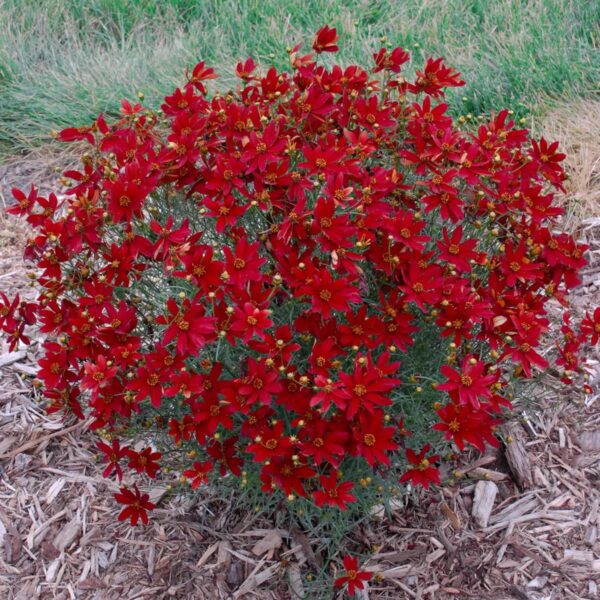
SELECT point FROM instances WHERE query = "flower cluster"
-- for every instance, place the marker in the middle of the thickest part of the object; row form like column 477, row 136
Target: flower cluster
column 249, row 272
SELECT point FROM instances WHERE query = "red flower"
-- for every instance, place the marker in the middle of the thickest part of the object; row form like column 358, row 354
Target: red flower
column 590, row 326
column 146, row 383
column 457, row 252
column 329, row 294
column 516, row 266
column 189, row 325
column 126, row 195
column 390, row 61
column 98, row 375
column 329, row 392
column 198, row 473
column 434, row 78
column 372, row 439
column 368, row 389
column 334, row 493
column 269, row 443
column 244, row 70
column 463, row 424
column 112, row 455
column 424, row 474
column 25, row 204
column 469, row 384
column 200, row 268
column 325, row 40
column 445, row 197
column 287, row 474
column 524, row 355
column 261, row 383
column 73, row 134
column 404, row 228
column 144, row 461
column 210, row 413
column 354, row 578
column 224, row 453
column 263, row 148
column 137, row 505
column 201, row 73
column 244, row 265
column 324, row 440
column 250, row 321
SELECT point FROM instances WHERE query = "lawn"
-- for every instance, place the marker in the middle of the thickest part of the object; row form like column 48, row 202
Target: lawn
column 64, row 61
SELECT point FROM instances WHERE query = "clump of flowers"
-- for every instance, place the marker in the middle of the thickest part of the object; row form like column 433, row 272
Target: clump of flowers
column 249, row 276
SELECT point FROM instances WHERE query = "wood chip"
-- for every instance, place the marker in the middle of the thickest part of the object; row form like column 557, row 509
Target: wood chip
column 589, row 441
column 591, row 535
column 516, row 454
column 487, row 474
column 295, row 581
column 537, row 583
column 483, row 502
column 522, row 506
column 578, row 556
column 27, row 369
column 55, row 489
column 68, row 534
column 12, row 357
column 12, row 544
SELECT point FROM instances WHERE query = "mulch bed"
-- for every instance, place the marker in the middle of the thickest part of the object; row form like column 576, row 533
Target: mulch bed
column 520, row 523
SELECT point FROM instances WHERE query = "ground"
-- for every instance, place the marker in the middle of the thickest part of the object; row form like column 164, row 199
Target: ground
column 59, row 537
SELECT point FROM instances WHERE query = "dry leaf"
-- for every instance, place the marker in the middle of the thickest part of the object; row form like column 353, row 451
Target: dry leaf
column 295, row 581
column 450, row 515
column 300, row 539
column 91, row 583
column 271, row 542
column 49, row 551
column 12, row 545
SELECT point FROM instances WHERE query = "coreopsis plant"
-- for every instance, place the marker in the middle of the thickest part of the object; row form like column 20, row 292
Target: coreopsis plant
column 314, row 282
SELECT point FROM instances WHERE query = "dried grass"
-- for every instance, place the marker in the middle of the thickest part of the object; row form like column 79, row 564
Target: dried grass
column 576, row 125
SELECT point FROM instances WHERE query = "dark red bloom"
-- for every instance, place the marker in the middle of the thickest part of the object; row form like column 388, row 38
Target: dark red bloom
column 243, row 265
column 353, row 579
column 424, row 474
column 334, row 493
column 590, row 326
column 325, row 40
column 144, row 461
column 113, row 454
column 198, row 474
column 327, row 293
column 188, row 325
column 137, row 505
column 469, row 384
column 373, row 440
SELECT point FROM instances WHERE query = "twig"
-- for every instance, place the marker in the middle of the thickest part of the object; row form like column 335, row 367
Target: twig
column 39, row 440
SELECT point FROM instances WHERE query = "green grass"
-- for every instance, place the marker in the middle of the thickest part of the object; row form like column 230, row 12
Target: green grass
column 64, row 61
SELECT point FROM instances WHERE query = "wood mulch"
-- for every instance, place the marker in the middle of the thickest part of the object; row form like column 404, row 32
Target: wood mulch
column 519, row 523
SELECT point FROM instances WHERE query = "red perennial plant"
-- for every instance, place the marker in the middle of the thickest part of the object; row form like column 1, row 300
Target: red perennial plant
column 249, row 273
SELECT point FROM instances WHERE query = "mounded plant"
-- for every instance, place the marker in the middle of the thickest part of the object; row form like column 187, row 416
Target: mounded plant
column 313, row 285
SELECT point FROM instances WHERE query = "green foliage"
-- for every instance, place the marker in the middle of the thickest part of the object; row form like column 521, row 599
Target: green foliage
column 64, row 61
